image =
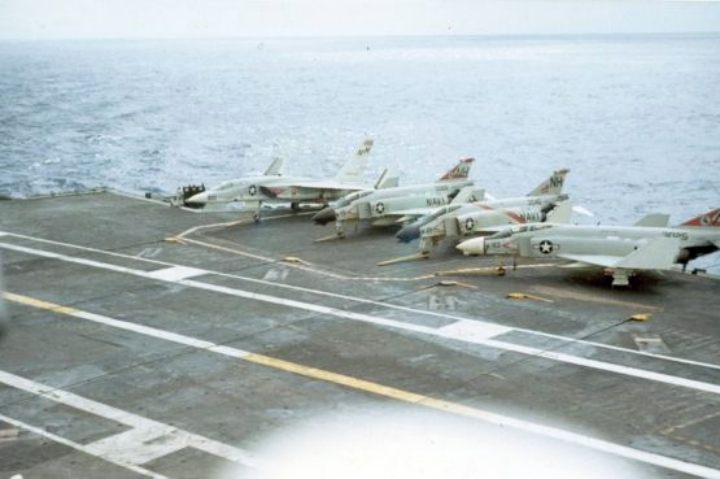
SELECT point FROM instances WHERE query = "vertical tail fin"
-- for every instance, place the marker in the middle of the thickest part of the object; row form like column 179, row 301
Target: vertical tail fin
column 468, row 194
column 354, row 169
column 709, row 219
column 387, row 180
column 276, row 167
column 561, row 213
column 551, row 186
column 655, row 220
column 459, row 171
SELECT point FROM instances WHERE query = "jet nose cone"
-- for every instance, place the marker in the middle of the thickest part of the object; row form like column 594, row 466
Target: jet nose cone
column 408, row 233
column 324, row 216
column 199, row 199
column 473, row 246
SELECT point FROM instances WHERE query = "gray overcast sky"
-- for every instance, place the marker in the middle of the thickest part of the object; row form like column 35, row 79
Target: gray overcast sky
column 42, row 19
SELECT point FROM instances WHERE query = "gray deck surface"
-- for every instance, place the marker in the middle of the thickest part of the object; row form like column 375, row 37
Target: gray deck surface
column 87, row 391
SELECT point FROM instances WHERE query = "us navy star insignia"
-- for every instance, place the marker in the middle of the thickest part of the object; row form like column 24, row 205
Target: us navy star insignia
column 546, row 247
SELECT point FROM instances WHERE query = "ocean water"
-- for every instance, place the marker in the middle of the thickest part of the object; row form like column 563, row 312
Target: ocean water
column 636, row 118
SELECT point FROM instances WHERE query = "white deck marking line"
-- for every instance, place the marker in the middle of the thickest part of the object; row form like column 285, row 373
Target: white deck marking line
column 456, row 334
column 176, row 273
column 139, row 445
column 472, row 331
column 124, row 449
column 390, row 323
column 391, row 392
column 329, row 294
column 79, row 447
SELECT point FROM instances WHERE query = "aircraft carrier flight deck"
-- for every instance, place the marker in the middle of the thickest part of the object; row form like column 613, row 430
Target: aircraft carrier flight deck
column 151, row 341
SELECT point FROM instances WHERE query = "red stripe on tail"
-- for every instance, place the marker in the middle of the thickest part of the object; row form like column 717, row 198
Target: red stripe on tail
column 709, row 219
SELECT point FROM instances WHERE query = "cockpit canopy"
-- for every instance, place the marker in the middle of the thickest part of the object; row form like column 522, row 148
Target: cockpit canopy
column 436, row 214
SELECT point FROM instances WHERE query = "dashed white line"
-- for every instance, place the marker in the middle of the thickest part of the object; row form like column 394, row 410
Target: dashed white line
column 176, row 273
column 386, row 305
column 472, row 331
column 366, row 318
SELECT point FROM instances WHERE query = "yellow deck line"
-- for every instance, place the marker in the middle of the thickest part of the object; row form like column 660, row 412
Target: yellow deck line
column 264, row 360
column 382, row 390
column 310, row 269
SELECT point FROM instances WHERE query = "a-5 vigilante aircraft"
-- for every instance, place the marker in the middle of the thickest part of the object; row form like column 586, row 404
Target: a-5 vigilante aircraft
column 395, row 205
column 621, row 250
column 485, row 217
column 273, row 187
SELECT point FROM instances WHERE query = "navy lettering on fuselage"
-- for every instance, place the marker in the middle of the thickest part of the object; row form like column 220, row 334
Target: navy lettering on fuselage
column 435, row 201
column 533, row 216
column 676, row 234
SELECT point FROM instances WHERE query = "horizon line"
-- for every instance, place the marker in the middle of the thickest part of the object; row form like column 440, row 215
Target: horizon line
column 355, row 35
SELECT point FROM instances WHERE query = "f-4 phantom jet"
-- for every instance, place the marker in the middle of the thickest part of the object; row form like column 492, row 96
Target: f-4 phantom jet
column 485, row 217
column 388, row 206
column 273, row 187
column 621, row 250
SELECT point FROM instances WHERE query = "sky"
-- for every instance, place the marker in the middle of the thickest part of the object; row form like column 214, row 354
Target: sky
column 57, row 19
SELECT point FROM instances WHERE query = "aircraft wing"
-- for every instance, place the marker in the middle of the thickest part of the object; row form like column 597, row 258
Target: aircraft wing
column 411, row 213
column 605, row 261
column 657, row 254
column 325, row 185
column 488, row 230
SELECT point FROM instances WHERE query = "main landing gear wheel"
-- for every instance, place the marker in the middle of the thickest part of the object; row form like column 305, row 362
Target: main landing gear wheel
column 295, row 207
column 256, row 217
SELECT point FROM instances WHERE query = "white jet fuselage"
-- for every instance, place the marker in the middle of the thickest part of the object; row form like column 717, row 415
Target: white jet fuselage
column 239, row 190
column 472, row 218
column 381, row 203
column 616, row 241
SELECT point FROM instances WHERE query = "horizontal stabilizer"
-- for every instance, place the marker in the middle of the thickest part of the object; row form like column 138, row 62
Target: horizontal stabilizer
column 583, row 211
column 658, row 220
